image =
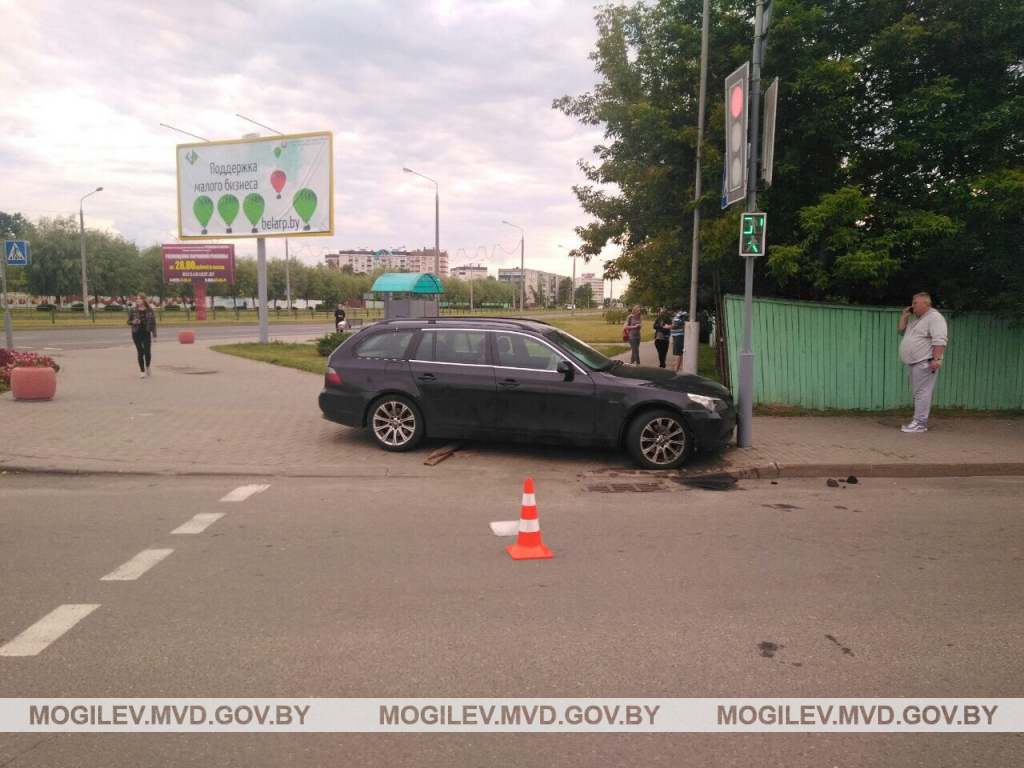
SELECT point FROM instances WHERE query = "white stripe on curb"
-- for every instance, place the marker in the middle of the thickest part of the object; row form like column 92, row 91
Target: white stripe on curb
column 138, row 565
column 244, row 492
column 199, row 523
column 47, row 630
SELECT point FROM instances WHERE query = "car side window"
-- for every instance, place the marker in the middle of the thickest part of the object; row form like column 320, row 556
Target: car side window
column 389, row 345
column 516, row 351
column 425, row 349
column 463, row 347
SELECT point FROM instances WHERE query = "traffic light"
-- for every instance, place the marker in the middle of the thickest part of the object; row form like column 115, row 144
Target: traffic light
column 737, row 89
column 752, row 227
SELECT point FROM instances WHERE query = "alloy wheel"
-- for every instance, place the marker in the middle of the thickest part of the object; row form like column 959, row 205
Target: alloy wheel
column 663, row 441
column 394, row 423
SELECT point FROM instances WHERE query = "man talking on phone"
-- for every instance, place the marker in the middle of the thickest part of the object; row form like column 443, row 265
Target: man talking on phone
column 922, row 350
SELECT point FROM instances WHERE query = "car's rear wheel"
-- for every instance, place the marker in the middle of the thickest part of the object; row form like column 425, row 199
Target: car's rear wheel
column 395, row 423
column 659, row 439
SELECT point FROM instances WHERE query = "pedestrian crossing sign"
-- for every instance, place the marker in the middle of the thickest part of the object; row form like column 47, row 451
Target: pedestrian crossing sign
column 16, row 252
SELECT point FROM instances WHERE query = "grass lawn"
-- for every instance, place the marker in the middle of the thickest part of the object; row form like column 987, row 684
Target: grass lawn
column 594, row 330
column 301, row 356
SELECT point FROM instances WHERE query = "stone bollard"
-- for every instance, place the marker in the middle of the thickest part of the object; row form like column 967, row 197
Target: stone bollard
column 187, row 337
column 33, row 383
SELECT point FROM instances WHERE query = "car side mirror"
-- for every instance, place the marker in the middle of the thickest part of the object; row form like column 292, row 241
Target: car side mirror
column 566, row 370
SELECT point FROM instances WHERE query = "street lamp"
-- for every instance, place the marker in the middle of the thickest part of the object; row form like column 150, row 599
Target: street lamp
column 572, row 295
column 522, row 266
column 85, row 279
column 437, row 220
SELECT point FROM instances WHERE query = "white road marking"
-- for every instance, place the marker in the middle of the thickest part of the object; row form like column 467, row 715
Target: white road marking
column 138, row 565
column 505, row 528
column 243, row 492
column 52, row 349
column 199, row 523
column 46, row 630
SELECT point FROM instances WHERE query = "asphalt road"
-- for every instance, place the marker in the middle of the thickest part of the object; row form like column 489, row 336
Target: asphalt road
column 83, row 337
column 347, row 588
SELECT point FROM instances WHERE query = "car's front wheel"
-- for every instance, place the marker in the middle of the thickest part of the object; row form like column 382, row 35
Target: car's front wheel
column 395, row 423
column 659, row 439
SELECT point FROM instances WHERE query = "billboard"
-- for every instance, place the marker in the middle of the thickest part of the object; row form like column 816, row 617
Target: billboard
column 268, row 187
column 199, row 263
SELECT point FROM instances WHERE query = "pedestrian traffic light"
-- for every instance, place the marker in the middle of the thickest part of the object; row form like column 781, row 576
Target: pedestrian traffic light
column 752, row 227
column 737, row 88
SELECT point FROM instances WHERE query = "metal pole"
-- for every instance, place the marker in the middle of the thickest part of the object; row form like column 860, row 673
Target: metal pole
column 471, row 270
column 746, row 356
column 437, row 229
column 572, row 294
column 691, row 332
column 522, row 272
column 261, row 280
column 287, row 277
column 85, row 279
column 3, row 297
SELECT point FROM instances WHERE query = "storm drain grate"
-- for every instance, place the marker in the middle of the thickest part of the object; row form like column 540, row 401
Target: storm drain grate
column 626, row 487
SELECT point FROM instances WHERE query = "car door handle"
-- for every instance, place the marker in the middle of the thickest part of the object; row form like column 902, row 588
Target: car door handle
column 509, row 383
column 427, row 377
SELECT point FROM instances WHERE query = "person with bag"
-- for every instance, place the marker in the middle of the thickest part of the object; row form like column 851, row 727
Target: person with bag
column 142, row 319
column 631, row 333
column 662, row 333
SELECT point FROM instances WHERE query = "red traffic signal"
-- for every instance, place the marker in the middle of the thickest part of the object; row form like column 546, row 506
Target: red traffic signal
column 737, row 89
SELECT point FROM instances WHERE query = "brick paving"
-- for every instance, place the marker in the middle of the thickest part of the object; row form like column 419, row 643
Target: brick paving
column 205, row 412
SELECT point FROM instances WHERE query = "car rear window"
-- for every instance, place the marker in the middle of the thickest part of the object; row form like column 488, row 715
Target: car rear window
column 454, row 346
column 389, row 345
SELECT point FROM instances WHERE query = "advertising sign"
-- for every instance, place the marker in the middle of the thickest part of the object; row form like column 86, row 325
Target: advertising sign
column 268, row 187
column 199, row 263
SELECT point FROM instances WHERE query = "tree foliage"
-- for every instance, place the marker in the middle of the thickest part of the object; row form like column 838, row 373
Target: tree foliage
column 898, row 160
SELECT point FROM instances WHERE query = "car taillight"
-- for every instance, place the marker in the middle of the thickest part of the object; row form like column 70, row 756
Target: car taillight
column 332, row 379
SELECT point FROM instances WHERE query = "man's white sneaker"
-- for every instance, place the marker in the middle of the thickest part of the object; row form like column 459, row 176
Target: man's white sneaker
column 142, row 375
column 915, row 427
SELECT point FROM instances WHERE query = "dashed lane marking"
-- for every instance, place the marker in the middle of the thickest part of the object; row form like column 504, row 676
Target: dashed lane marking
column 138, row 565
column 243, row 492
column 48, row 629
column 199, row 523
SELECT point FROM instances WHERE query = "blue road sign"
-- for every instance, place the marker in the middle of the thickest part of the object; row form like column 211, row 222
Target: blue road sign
column 16, row 252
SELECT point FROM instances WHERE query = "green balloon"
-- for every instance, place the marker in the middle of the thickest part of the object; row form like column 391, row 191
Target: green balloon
column 203, row 209
column 305, row 203
column 253, row 206
column 277, row 151
column 227, row 207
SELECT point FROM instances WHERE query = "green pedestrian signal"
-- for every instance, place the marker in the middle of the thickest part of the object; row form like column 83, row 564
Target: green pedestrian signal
column 752, row 227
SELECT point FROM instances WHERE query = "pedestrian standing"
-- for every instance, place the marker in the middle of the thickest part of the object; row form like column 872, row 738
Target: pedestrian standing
column 633, row 326
column 142, row 319
column 678, row 335
column 662, row 334
column 922, row 350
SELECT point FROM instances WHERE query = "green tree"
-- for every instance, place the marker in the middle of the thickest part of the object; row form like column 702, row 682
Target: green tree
column 565, row 291
column 584, row 294
column 14, row 226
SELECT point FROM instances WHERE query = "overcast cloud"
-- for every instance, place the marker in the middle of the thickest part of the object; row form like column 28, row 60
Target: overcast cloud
column 458, row 90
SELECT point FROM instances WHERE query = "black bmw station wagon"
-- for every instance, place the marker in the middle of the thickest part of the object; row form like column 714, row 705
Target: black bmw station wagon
column 516, row 380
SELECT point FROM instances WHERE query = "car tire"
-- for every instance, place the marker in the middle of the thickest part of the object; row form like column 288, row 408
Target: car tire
column 659, row 439
column 395, row 423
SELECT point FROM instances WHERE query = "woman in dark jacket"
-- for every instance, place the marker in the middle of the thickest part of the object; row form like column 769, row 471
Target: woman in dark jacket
column 142, row 319
column 662, row 331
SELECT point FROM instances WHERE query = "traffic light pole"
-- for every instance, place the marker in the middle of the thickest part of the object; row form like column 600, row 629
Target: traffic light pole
column 746, row 356
column 3, row 296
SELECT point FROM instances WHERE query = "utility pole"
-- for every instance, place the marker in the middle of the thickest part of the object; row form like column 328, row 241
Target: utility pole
column 287, row 277
column 3, row 297
column 746, row 356
column 691, row 337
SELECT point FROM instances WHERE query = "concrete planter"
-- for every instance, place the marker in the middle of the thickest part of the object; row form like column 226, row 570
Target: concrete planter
column 33, row 383
column 187, row 337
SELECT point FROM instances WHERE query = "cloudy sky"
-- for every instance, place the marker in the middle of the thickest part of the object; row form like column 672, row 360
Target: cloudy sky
column 458, row 90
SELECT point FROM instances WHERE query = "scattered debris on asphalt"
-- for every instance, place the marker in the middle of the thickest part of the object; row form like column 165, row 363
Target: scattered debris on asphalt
column 852, row 480
column 832, row 483
column 441, row 454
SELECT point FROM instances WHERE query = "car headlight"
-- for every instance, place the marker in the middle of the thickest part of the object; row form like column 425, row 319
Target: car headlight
column 713, row 404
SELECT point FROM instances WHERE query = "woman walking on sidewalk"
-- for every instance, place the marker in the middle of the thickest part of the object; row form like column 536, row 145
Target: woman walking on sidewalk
column 142, row 319
column 633, row 326
column 662, row 331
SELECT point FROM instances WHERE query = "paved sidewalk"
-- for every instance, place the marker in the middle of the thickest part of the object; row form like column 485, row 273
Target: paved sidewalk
column 204, row 412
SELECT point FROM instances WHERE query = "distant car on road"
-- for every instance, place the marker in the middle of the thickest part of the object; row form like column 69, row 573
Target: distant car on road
column 516, row 380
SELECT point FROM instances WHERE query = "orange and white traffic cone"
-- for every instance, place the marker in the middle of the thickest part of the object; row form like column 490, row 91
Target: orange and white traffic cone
column 529, row 546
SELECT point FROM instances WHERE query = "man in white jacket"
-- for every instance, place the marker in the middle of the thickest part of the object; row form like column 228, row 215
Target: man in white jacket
column 922, row 349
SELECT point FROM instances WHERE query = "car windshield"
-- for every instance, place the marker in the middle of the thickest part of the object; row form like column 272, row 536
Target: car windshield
column 583, row 352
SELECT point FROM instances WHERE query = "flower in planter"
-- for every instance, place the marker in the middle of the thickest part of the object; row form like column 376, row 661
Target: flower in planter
column 11, row 359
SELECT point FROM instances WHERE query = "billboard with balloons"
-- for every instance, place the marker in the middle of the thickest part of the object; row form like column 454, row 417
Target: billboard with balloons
column 268, row 187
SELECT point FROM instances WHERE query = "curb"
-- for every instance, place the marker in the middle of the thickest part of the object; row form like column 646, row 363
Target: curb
column 775, row 470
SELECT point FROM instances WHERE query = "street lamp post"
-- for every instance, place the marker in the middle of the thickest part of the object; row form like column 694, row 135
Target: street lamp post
column 85, row 279
column 437, row 220
column 522, row 266
column 572, row 294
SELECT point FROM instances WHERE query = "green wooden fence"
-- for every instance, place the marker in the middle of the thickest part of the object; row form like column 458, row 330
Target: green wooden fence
column 831, row 356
